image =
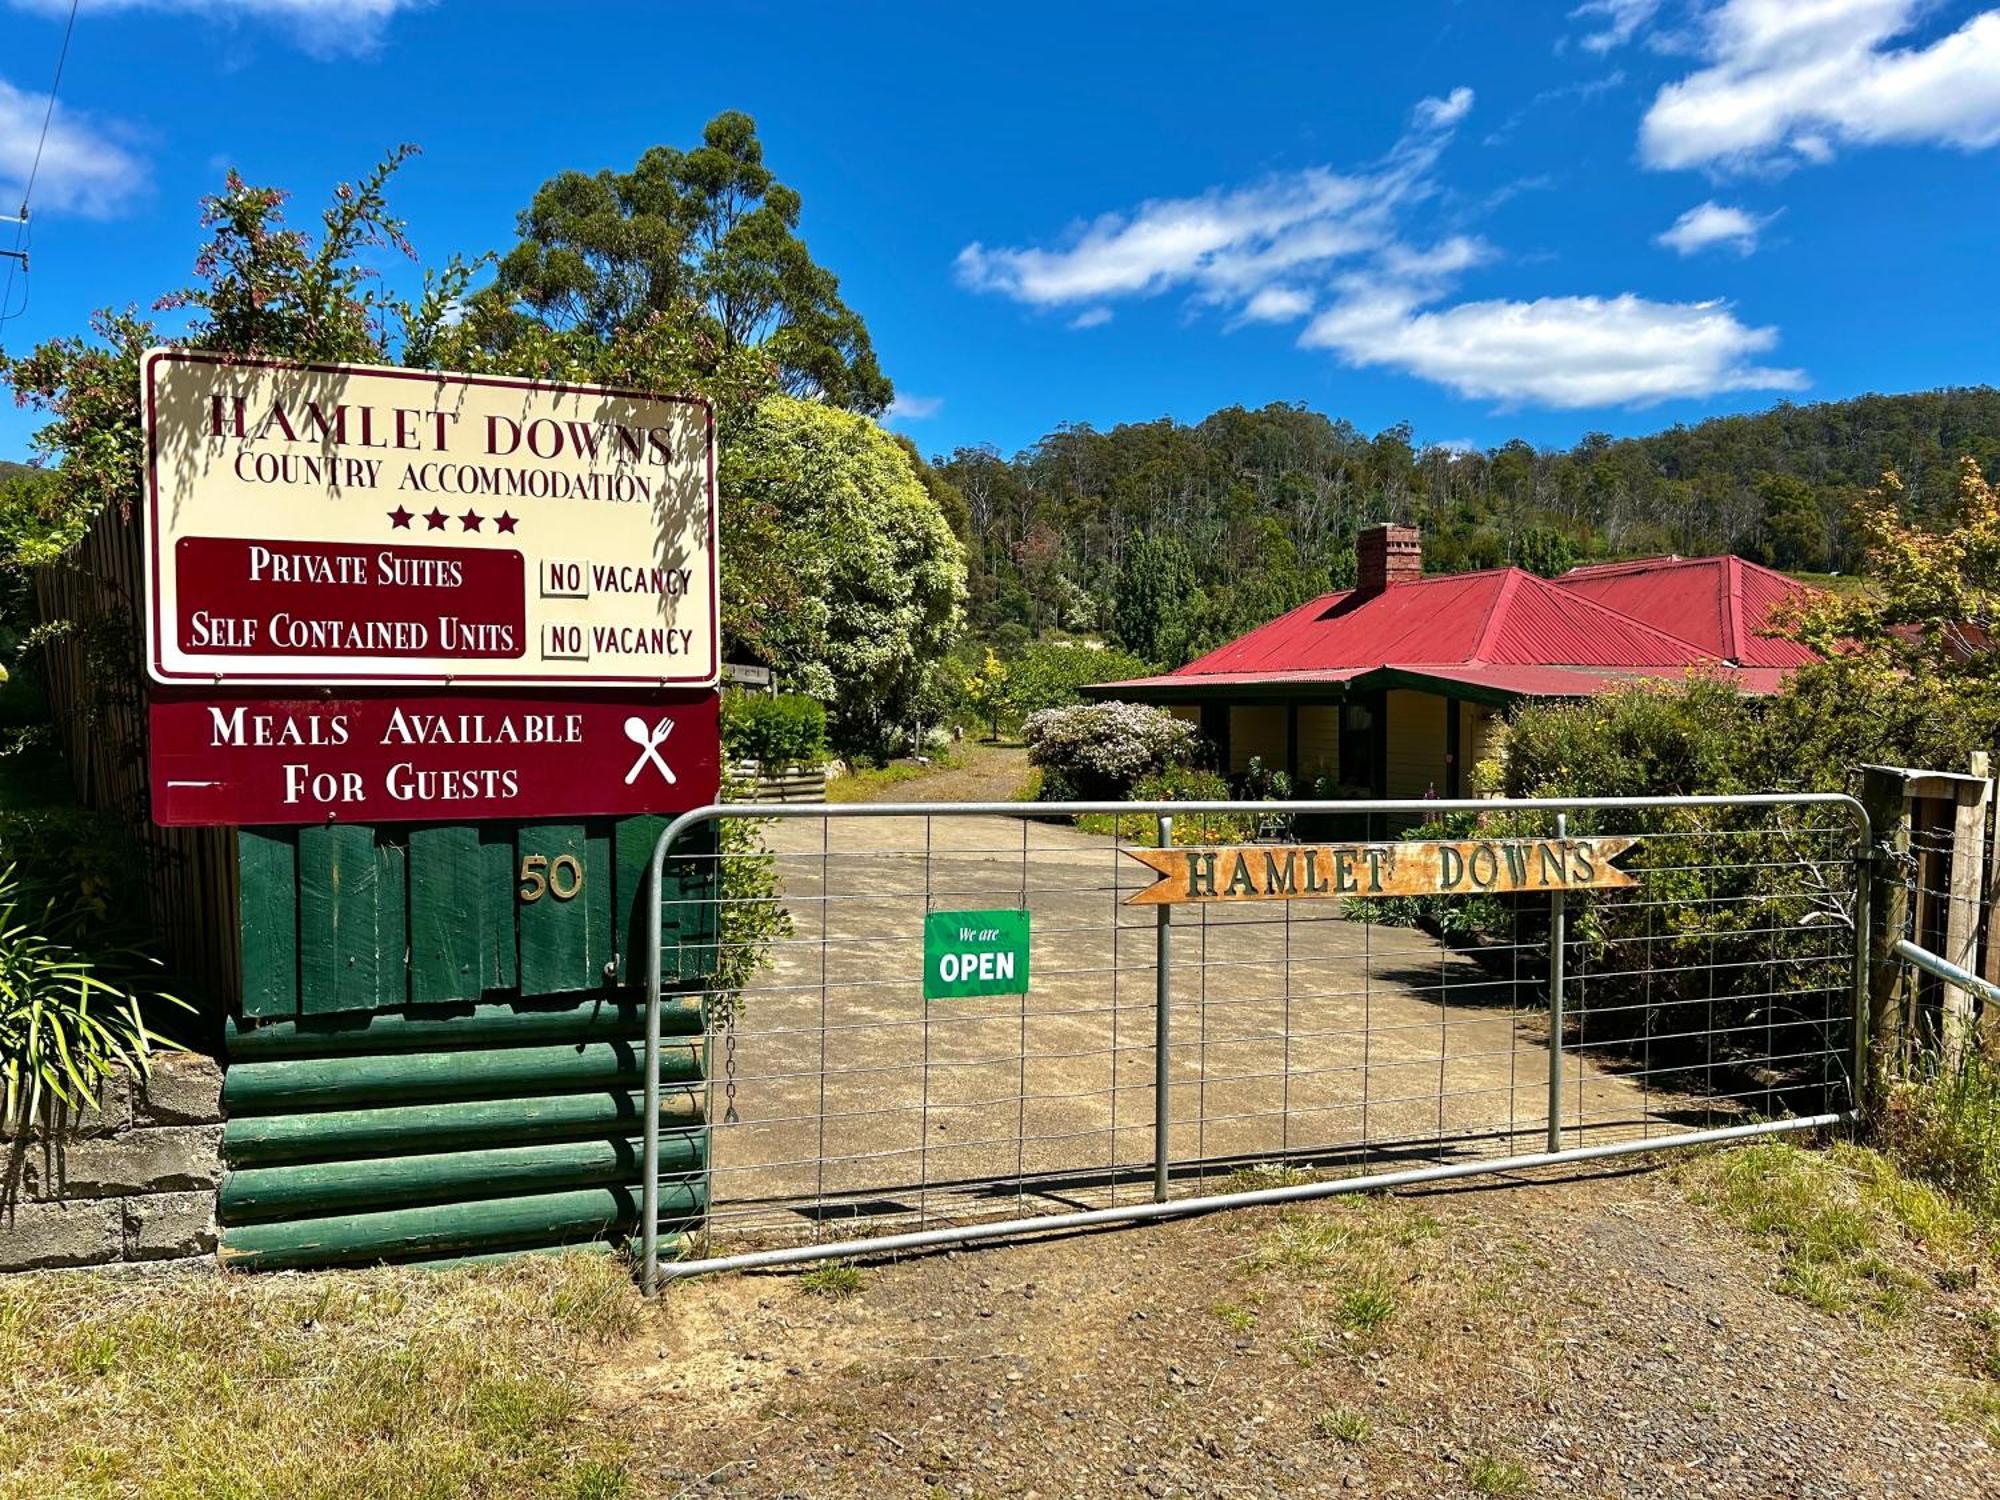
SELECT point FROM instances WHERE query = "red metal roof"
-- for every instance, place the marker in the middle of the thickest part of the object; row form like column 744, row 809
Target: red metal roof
column 1509, row 631
column 1720, row 603
column 1502, row 616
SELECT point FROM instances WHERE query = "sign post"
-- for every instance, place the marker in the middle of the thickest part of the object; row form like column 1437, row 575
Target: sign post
column 1438, row 867
column 379, row 595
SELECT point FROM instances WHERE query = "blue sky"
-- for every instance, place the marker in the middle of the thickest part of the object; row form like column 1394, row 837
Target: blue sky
column 1488, row 219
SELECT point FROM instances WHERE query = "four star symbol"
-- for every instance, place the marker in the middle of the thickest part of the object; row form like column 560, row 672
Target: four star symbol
column 400, row 519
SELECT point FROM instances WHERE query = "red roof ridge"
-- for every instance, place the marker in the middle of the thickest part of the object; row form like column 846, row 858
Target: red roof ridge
column 1731, row 585
column 1495, row 613
column 1634, row 565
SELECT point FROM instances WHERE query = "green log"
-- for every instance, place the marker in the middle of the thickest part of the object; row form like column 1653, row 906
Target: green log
column 334, row 1135
column 346, row 1082
column 253, row 1194
column 449, row 1228
column 600, row 1020
column 410, row 1129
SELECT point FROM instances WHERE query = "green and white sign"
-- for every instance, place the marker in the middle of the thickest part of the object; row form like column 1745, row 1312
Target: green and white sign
column 975, row 953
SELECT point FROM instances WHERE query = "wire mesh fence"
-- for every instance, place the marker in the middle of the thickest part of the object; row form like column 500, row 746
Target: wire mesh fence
column 1303, row 1038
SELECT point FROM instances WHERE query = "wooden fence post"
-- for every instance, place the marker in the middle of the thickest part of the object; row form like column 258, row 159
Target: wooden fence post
column 1967, row 888
column 1882, row 794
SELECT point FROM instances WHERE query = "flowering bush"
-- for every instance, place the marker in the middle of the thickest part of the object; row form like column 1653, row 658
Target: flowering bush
column 1096, row 751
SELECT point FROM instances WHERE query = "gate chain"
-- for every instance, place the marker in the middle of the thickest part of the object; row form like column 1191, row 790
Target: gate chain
column 729, row 1066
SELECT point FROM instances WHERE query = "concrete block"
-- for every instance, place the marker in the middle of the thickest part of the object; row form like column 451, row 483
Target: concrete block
column 112, row 1114
column 164, row 1158
column 41, row 1236
column 169, row 1226
column 184, row 1089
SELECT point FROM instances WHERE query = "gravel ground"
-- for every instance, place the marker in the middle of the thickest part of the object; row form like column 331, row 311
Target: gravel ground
column 1588, row 1333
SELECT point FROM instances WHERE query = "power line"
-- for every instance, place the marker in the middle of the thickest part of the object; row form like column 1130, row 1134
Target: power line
column 23, row 237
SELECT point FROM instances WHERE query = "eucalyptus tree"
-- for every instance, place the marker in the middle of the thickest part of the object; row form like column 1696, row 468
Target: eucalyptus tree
column 708, row 234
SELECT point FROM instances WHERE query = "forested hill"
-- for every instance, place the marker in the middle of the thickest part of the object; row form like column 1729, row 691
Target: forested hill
column 1169, row 537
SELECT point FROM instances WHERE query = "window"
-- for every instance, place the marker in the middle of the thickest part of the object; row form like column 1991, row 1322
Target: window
column 1357, row 744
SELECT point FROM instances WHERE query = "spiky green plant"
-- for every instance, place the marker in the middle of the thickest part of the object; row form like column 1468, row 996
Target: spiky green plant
column 64, row 1025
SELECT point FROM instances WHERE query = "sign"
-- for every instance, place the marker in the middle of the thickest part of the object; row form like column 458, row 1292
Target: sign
column 312, row 524
column 975, row 953
column 453, row 757
column 1469, row 867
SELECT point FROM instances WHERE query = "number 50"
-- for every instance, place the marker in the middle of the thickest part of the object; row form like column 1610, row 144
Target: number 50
column 561, row 877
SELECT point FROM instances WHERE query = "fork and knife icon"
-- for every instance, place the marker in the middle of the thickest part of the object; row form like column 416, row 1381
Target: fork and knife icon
column 649, row 739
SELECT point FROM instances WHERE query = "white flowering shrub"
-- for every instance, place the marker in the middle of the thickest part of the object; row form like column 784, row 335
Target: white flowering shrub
column 1096, row 751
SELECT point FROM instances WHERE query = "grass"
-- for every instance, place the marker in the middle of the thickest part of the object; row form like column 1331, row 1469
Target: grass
column 1853, row 1232
column 1266, row 1174
column 1366, row 1307
column 836, row 1282
column 1943, row 1128
column 1311, row 1244
column 1342, row 1424
column 1235, row 1318
column 1493, row 1474
column 383, row 1383
column 1193, row 830
column 866, row 784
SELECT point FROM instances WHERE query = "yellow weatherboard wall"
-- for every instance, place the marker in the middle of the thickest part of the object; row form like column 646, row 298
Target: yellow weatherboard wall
column 1256, row 730
column 1416, row 744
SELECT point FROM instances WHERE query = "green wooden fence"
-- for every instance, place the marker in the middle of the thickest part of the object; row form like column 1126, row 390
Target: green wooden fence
column 441, row 1044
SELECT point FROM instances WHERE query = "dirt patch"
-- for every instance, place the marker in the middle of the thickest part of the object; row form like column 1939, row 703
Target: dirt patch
column 1597, row 1334
column 982, row 773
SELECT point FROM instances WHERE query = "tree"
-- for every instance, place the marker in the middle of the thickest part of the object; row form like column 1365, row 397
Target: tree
column 1154, row 604
column 1794, row 528
column 845, row 575
column 711, row 230
column 985, row 690
column 1544, row 551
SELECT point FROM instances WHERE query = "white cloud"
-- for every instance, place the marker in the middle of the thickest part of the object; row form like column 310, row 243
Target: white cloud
column 1555, row 351
column 1442, row 114
column 1225, row 246
column 1709, row 224
column 1277, row 304
column 84, row 170
column 1336, row 249
column 326, row 28
column 909, row 408
column 1620, row 21
column 1790, row 80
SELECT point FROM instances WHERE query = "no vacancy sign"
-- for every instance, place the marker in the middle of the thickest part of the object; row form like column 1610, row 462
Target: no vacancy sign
column 341, row 524
column 383, row 595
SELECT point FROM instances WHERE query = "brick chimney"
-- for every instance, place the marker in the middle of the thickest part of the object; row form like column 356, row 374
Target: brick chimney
column 1386, row 554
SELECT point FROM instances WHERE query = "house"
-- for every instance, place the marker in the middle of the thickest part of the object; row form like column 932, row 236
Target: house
column 1400, row 685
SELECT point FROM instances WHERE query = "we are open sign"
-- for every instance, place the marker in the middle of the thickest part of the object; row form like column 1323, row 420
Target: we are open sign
column 969, row 953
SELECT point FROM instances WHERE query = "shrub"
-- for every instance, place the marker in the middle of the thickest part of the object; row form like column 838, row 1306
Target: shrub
column 1049, row 674
column 785, row 729
column 1097, row 751
column 1181, row 784
column 846, row 573
column 68, row 1020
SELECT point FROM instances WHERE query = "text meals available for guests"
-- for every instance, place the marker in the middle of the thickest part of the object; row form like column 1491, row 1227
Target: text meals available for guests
column 366, row 525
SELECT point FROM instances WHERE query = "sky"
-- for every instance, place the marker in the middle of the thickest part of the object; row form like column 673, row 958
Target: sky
column 1486, row 218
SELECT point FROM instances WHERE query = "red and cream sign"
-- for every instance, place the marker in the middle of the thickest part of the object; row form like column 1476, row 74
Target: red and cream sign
column 441, row 757
column 312, row 524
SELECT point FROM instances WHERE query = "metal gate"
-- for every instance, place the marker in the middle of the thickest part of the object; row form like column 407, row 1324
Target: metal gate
column 1165, row 1060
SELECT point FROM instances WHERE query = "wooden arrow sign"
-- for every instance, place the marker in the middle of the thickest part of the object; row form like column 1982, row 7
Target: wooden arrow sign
column 1444, row 867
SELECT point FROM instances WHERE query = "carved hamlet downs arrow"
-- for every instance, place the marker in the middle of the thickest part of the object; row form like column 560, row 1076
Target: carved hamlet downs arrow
column 1444, row 867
